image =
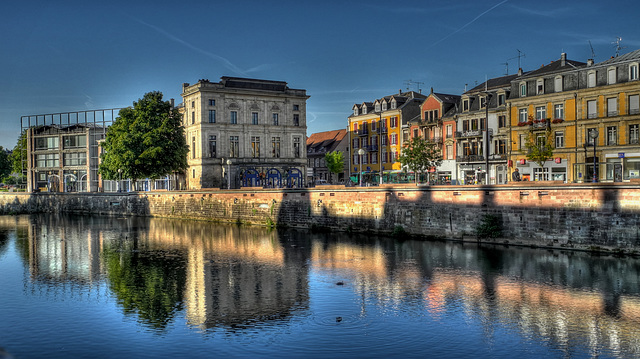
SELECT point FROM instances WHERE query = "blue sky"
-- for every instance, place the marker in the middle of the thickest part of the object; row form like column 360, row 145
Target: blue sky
column 62, row 56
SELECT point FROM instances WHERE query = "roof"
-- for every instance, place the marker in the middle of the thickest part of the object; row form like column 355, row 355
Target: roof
column 447, row 98
column 322, row 139
column 494, row 83
column 556, row 66
column 631, row 56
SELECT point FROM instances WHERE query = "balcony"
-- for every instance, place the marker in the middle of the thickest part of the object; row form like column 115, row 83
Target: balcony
column 370, row 148
column 362, row 132
column 469, row 133
column 470, row 158
column 431, row 122
column 437, row 139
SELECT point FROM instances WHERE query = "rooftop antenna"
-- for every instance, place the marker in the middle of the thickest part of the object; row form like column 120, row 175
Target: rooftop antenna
column 520, row 55
column 506, row 68
column 618, row 47
column 409, row 83
column 593, row 53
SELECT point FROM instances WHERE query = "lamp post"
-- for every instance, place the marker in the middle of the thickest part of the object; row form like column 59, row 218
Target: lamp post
column 229, row 174
column 119, row 180
column 593, row 134
column 360, row 153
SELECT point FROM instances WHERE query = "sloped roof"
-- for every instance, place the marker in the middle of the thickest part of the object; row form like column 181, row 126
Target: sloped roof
column 447, row 98
column 555, row 66
column 494, row 83
column 631, row 56
column 322, row 139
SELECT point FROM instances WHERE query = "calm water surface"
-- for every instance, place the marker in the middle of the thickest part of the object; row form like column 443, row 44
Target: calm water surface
column 89, row 287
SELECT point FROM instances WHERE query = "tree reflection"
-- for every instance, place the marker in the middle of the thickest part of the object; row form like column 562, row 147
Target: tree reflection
column 149, row 284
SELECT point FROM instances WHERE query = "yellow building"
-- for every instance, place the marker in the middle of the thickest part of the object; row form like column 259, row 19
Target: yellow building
column 564, row 102
column 376, row 133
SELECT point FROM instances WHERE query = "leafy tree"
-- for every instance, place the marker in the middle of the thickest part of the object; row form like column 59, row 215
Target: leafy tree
column 146, row 141
column 19, row 153
column 5, row 164
column 539, row 146
column 334, row 161
column 420, row 155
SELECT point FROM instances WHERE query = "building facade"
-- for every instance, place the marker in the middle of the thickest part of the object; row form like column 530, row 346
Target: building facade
column 376, row 131
column 244, row 132
column 589, row 111
column 318, row 145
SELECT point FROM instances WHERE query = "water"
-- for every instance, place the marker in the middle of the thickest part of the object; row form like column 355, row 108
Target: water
column 90, row 287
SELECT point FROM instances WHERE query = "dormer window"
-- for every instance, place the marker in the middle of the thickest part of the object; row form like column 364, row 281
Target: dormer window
column 465, row 105
column 633, row 72
column 557, row 83
column 355, row 111
column 377, row 106
column 591, row 79
column 539, row 86
column 364, row 110
column 523, row 89
column 611, row 75
column 384, row 106
column 483, row 101
column 502, row 99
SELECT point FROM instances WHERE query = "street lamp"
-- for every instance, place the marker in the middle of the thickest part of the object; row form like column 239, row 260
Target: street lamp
column 119, row 180
column 360, row 152
column 593, row 134
column 229, row 174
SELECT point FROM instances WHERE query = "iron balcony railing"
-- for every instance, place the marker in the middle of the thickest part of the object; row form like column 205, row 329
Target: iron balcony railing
column 470, row 158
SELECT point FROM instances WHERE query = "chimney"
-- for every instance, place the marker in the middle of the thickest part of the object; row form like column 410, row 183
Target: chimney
column 432, row 90
column 590, row 62
column 563, row 58
column 520, row 71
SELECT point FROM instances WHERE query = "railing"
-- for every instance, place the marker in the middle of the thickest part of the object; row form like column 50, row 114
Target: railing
column 469, row 133
column 470, row 158
column 371, row 148
column 362, row 132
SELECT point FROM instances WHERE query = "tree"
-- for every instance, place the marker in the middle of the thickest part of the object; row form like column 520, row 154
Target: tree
column 420, row 155
column 539, row 146
column 5, row 164
column 334, row 161
column 19, row 153
column 146, row 141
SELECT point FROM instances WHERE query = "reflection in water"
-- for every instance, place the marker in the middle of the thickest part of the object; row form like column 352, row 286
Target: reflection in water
column 236, row 278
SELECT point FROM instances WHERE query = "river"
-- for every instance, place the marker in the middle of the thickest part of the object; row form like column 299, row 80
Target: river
column 107, row 287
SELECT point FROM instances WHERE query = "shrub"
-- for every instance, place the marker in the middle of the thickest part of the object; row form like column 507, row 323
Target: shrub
column 490, row 226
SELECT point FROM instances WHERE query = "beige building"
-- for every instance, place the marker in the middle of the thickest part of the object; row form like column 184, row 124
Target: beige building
column 244, row 133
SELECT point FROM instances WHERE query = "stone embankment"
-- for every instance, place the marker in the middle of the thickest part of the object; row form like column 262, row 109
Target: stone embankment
column 579, row 216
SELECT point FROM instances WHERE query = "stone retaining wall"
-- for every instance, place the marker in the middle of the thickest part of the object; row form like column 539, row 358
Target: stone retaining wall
column 582, row 216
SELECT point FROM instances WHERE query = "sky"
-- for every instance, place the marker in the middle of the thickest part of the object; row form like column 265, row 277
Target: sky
column 67, row 56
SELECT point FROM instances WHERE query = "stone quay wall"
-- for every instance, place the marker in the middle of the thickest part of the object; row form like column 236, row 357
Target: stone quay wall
column 579, row 216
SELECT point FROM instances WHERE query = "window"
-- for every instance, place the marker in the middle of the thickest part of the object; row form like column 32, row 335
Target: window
column 193, row 147
column 449, row 131
column 500, row 147
column 465, row 105
column 384, row 106
column 611, row 76
column 612, row 106
column 193, row 117
column 373, row 126
column 539, row 86
column 474, row 124
column 394, row 103
column 557, row 84
column 523, row 89
column 355, row 159
column 296, row 147
column 296, row 119
column 449, row 149
column 415, row 132
column 612, row 135
column 523, row 141
column 234, row 146
column 502, row 121
column 212, row 146
column 75, row 159
column 254, row 118
column 522, row 115
column 233, row 117
column 276, row 121
column 592, row 109
column 501, row 99
column 634, row 104
column 383, row 140
column 275, row 147
column 193, row 104
column 633, row 134
column 212, row 102
column 483, row 101
column 559, row 135
column 541, row 140
column 394, row 139
column 212, row 116
column 633, row 72
column 591, row 79
column 47, row 143
column 78, row 141
column 355, row 111
column 354, row 143
column 193, row 173
column 48, row 160
column 377, row 107
column 558, row 111
column 296, row 107
column 255, row 147
column 393, row 122
column 541, row 112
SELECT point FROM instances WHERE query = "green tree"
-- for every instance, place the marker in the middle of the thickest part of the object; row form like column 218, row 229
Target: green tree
column 5, row 164
column 420, row 155
column 146, row 141
column 19, row 153
column 539, row 146
column 334, row 161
